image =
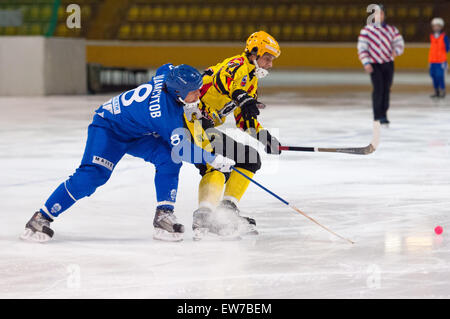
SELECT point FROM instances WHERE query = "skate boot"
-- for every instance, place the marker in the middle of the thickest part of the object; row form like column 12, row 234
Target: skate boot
column 38, row 229
column 207, row 223
column 246, row 225
column 436, row 94
column 384, row 121
column 166, row 226
column 442, row 94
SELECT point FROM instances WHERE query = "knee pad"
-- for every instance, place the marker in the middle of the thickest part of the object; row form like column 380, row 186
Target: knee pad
column 86, row 179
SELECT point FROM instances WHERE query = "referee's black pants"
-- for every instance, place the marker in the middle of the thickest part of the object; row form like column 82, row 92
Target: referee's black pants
column 381, row 77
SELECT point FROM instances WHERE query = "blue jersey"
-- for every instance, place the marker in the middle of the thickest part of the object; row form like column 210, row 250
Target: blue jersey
column 150, row 110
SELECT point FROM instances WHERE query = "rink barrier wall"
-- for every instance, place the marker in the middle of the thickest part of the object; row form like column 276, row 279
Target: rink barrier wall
column 305, row 55
column 36, row 65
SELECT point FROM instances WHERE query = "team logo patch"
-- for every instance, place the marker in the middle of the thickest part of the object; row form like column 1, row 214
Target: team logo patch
column 173, row 194
column 103, row 162
column 56, row 208
column 244, row 81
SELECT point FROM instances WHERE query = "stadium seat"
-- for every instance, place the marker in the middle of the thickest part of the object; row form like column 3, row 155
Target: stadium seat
column 298, row 33
column 163, row 31
column 428, row 11
column 410, row 30
column 224, row 32
column 219, row 13
column 193, row 13
column 144, row 14
column 155, row 13
column 248, row 28
column 237, row 32
column 187, row 31
column 268, row 13
column 199, row 31
column 322, row 32
column 275, row 30
column 61, row 30
column 339, row 13
column 352, row 13
column 329, row 13
column 346, row 31
column 414, row 12
column 213, row 32
column 36, row 29
column 402, row 12
column 133, row 14
column 182, row 13
column 335, row 32
column 255, row 14
column 10, row 31
column 61, row 13
column 311, row 32
column 305, row 12
column 317, row 12
column 286, row 32
column 86, row 12
column 169, row 13
column 137, row 31
column 243, row 13
column 33, row 13
column 150, row 31
column 46, row 13
column 281, row 12
column 124, row 31
column 293, row 12
column 174, row 31
column 205, row 13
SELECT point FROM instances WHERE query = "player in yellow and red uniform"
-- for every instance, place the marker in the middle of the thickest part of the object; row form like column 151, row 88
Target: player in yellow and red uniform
column 230, row 87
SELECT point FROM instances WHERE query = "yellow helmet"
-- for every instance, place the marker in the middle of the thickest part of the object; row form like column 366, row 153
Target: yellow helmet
column 261, row 42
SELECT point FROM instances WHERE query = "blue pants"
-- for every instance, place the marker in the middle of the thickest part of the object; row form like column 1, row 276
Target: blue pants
column 437, row 72
column 103, row 151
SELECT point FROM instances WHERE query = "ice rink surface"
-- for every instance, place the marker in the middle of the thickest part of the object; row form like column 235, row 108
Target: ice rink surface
column 388, row 202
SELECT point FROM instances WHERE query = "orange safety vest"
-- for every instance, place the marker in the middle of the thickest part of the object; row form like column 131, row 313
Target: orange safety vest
column 438, row 53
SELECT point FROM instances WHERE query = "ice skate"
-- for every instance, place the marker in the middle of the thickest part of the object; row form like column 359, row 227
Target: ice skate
column 38, row 229
column 166, row 226
column 246, row 225
column 384, row 122
column 208, row 223
column 435, row 95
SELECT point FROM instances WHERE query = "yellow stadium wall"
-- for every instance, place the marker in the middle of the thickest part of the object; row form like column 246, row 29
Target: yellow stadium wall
column 320, row 56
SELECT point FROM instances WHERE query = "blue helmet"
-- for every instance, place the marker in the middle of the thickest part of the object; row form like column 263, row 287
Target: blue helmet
column 183, row 79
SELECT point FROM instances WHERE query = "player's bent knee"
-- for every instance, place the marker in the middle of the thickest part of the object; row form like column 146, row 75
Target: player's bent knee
column 87, row 179
column 169, row 167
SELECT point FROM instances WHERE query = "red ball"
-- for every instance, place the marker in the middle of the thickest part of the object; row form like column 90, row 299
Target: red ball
column 438, row 230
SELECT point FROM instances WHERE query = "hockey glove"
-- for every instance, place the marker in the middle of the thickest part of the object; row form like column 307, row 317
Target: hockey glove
column 271, row 143
column 222, row 164
column 192, row 111
column 248, row 104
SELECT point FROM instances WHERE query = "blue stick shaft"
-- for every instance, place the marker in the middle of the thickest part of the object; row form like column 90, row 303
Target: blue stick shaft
column 267, row 190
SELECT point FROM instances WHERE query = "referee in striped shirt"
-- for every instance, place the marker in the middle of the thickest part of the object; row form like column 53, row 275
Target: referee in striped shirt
column 378, row 45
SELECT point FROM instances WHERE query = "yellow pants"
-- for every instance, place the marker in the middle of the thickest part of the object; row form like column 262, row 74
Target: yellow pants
column 212, row 184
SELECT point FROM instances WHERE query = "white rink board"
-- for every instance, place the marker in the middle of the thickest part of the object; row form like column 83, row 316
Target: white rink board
column 36, row 66
column 388, row 202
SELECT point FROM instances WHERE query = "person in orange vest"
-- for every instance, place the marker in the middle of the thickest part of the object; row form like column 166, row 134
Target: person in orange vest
column 437, row 57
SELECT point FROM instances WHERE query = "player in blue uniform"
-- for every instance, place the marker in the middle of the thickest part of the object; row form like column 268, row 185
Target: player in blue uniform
column 145, row 122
